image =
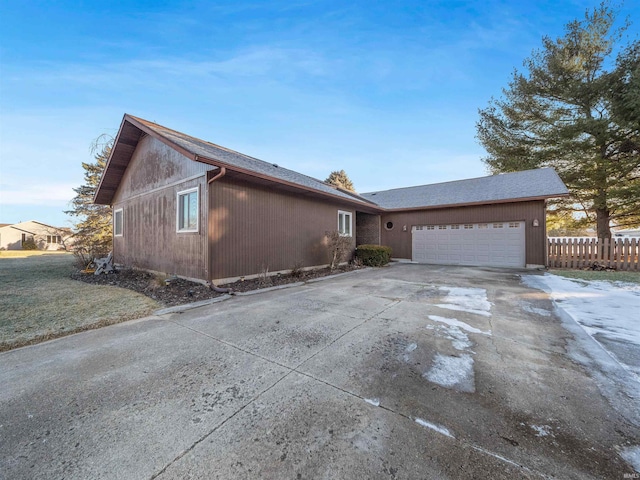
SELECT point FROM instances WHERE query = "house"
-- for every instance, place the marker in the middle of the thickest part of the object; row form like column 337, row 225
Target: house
column 45, row 237
column 627, row 233
column 188, row 207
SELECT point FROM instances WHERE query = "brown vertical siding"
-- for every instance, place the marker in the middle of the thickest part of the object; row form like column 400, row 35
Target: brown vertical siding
column 154, row 165
column 150, row 240
column 400, row 241
column 251, row 228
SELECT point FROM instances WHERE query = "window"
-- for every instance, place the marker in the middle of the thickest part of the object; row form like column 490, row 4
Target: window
column 117, row 223
column 483, row 225
column 514, row 225
column 188, row 210
column 344, row 223
column 468, row 226
column 442, row 227
column 54, row 239
column 431, row 227
column 497, row 225
column 455, row 227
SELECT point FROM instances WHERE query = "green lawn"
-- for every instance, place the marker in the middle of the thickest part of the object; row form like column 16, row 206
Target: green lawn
column 39, row 301
column 630, row 277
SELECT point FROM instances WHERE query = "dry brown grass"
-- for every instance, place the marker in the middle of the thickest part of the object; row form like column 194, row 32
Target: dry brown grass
column 609, row 276
column 38, row 301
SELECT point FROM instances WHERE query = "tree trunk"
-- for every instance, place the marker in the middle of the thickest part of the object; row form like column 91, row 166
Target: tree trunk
column 602, row 223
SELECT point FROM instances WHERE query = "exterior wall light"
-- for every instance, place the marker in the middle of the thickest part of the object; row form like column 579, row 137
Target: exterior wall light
column 404, row 228
column 536, row 223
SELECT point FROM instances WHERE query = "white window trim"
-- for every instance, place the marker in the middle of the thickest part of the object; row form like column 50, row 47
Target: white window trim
column 121, row 210
column 345, row 213
column 186, row 192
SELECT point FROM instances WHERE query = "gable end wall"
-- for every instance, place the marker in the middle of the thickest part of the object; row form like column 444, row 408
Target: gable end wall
column 148, row 196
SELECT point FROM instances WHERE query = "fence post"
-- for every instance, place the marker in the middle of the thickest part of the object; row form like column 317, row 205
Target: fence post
column 594, row 251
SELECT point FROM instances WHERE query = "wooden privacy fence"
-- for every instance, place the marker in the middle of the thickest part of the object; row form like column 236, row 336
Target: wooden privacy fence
column 618, row 253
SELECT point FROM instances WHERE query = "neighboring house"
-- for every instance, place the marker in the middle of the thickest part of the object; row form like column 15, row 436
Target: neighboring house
column 627, row 233
column 44, row 236
column 188, row 207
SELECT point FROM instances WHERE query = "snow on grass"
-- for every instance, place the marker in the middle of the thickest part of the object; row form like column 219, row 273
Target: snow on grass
column 453, row 372
column 472, row 300
column 433, row 426
column 632, row 456
column 608, row 312
column 453, row 322
column 373, row 401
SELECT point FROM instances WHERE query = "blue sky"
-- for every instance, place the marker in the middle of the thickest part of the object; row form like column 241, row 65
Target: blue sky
column 388, row 91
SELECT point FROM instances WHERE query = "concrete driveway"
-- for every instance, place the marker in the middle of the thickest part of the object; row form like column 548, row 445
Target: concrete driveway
column 409, row 371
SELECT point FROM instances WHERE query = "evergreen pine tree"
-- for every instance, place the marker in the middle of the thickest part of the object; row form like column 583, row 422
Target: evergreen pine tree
column 341, row 180
column 578, row 111
column 93, row 230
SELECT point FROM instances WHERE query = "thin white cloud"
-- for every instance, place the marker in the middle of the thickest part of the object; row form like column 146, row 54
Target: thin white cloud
column 46, row 194
column 256, row 62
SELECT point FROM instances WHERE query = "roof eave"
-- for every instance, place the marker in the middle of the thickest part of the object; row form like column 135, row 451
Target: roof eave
column 297, row 186
column 471, row 204
column 106, row 197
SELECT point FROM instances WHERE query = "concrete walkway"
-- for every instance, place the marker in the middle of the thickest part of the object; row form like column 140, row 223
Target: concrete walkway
column 410, row 371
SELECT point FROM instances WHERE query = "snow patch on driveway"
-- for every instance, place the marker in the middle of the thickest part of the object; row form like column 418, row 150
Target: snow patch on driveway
column 607, row 312
column 542, row 430
column 454, row 322
column 373, row 401
column 453, row 372
column 472, row 300
column 632, row 455
column 433, row 426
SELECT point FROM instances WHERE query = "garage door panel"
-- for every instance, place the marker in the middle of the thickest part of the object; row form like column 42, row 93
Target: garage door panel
column 496, row 243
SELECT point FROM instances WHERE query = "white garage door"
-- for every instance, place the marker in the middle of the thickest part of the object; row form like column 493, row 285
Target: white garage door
column 499, row 244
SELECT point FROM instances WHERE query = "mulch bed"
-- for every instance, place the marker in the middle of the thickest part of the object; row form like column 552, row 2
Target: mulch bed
column 178, row 291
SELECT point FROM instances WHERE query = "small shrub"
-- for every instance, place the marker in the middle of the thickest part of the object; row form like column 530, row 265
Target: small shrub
column 373, row 255
column 297, row 271
column 356, row 262
column 264, row 279
column 29, row 244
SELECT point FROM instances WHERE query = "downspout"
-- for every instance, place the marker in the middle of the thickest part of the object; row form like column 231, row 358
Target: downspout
column 218, row 175
column 221, row 173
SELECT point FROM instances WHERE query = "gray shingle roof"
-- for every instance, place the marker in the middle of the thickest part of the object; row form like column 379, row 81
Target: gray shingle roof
column 538, row 183
column 245, row 162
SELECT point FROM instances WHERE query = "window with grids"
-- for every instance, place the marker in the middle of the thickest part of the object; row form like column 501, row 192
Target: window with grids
column 344, row 223
column 468, row 227
column 431, row 227
column 514, row 225
column 188, row 211
column 54, row 239
column 117, row 222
